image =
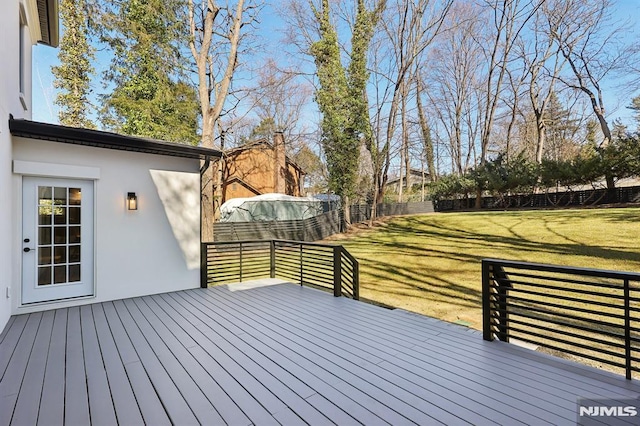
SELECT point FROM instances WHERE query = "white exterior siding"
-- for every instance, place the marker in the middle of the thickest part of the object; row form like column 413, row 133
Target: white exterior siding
column 152, row 250
column 10, row 104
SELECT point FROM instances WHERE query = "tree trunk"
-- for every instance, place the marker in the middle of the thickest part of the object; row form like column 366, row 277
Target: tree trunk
column 346, row 207
column 541, row 139
column 422, row 190
column 426, row 134
column 212, row 98
column 206, row 208
column 478, row 204
column 374, row 205
column 401, row 175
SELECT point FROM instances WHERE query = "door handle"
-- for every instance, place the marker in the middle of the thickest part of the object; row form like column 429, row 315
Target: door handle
column 26, row 249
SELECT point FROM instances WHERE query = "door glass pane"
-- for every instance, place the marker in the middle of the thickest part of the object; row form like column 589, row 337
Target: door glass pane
column 60, row 274
column 60, row 254
column 44, row 235
column 44, row 193
column 44, row 215
column 74, row 215
column 74, row 254
column 44, row 255
column 44, row 275
column 60, row 215
column 75, row 196
column 60, row 235
column 74, row 234
column 59, row 196
column 74, row 273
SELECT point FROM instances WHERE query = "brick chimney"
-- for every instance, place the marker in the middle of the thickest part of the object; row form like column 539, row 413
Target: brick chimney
column 280, row 162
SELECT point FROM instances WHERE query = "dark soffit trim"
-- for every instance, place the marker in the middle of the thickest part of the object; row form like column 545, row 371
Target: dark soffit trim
column 108, row 140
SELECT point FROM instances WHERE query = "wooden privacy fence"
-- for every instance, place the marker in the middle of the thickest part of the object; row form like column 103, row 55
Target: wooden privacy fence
column 311, row 229
column 592, row 314
column 362, row 212
column 329, row 267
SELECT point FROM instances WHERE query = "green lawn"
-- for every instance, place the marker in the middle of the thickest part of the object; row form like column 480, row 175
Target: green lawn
column 431, row 263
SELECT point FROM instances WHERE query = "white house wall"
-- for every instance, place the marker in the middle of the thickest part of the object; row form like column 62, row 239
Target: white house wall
column 10, row 104
column 154, row 249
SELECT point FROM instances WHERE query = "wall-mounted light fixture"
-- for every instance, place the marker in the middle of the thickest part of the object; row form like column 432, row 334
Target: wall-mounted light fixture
column 132, row 201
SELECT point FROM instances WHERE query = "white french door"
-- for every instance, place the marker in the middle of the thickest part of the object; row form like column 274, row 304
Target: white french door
column 57, row 239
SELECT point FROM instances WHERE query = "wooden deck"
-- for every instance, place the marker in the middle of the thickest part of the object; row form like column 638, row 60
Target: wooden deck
column 276, row 354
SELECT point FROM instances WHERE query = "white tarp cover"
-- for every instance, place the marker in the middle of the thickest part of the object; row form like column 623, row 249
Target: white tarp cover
column 269, row 207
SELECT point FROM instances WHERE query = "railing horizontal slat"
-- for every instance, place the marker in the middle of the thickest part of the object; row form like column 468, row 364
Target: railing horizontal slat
column 556, row 305
column 302, row 262
column 564, row 309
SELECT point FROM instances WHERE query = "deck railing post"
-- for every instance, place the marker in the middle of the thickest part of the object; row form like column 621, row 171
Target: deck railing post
column 501, row 278
column 240, row 261
column 301, row 268
column 356, row 280
column 272, row 258
column 487, row 334
column 627, row 330
column 204, row 266
column 337, row 271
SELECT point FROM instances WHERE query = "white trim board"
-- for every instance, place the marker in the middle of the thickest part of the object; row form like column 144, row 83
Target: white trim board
column 33, row 168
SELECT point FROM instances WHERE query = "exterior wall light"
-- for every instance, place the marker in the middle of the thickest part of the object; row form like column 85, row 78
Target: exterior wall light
column 132, row 201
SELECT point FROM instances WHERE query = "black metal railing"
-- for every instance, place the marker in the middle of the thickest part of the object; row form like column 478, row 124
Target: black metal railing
column 592, row 314
column 329, row 267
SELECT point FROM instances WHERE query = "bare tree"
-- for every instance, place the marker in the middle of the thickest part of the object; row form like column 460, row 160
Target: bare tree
column 215, row 35
column 454, row 77
column 279, row 99
column 509, row 18
column 588, row 40
column 591, row 43
column 428, row 154
column 543, row 64
column 410, row 27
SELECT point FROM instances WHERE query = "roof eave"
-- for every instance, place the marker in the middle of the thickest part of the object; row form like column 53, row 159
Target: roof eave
column 100, row 139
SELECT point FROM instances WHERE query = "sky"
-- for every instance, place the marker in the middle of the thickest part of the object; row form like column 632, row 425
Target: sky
column 271, row 35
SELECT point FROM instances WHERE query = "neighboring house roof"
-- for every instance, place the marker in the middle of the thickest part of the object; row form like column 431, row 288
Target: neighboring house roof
column 100, row 139
column 239, row 181
column 413, row 172
column 48, row 16
column 257, row 144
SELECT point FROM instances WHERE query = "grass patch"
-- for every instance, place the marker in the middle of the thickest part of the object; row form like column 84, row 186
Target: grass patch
column 430, row 264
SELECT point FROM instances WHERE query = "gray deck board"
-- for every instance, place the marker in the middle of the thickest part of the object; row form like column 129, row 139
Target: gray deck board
column 14, row 374
column 404, row 395
column 7, row 328
column 148, row 401
column 340, row 362
column 364, row 382
column 355, row 355
column 227, row 409
column 76, row 399
column 26, row 412
column 204, row 353
column 124, row 401
column 484, row 377
column 452, row 341
column 277, row 354
column 52, row 399
column 174, row 404
column 290, row 389
column 100, row 399
column 315, row 375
